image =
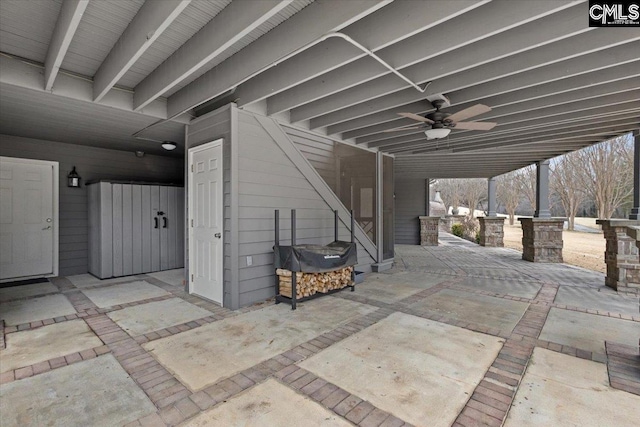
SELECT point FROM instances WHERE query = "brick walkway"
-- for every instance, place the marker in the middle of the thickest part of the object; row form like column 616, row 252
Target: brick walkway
column 489, row 403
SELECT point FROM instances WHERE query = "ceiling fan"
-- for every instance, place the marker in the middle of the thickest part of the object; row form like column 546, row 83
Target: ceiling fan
column 438, row 124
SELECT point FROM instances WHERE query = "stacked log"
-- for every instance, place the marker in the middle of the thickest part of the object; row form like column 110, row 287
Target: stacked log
column 308, row 284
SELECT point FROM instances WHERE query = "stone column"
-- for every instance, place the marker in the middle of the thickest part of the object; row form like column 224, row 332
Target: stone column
column 621, row 255
column 492, row 231
column 542, row 190
column 635, row 209
column 542, row 239
column 429, row 230
column 491, row 197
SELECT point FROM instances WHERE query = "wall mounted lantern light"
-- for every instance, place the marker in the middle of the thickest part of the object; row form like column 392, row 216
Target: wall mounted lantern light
column 73, row 179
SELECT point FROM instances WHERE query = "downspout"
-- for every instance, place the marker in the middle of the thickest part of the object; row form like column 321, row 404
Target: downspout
column 292, row 54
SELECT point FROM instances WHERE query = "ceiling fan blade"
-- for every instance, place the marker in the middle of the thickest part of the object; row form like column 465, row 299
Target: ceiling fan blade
column 472, row 111
column 415, row 117
column 403, row 128
column 475, row 125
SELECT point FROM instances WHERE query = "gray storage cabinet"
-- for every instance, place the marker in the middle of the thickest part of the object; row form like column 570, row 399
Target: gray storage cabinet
column 135, row 228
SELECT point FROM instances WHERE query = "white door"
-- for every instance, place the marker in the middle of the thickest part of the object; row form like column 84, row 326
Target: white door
column 206, row 221
column 28, row 224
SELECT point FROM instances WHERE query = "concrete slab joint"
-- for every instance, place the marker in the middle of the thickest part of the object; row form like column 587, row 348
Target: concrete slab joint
column 429, row 230
column 621, row 255
column 542, row 239
column 492, row 231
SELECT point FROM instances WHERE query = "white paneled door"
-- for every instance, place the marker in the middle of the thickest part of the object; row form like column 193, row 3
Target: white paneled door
column 28, row 223
column 206, row 221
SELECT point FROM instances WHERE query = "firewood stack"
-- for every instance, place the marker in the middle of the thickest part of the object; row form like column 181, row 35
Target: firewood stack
column 308, row 284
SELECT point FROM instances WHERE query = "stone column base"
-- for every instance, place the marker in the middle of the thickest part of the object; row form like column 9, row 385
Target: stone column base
column 542, row 239
column 491, row 231
column 429, row 230
column 621, row 255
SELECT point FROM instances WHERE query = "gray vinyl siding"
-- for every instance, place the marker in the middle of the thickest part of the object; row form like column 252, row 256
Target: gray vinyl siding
column 208, row 128
column 409, row 205
column 269, row 180
column 92, row 164
column 319, row 151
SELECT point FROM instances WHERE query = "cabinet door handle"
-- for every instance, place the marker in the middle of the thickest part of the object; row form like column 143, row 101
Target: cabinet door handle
column 155, row 220
column 164, row 222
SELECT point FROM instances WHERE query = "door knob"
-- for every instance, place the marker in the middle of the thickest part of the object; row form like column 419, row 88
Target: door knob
column 47, row 228
column 218, row 235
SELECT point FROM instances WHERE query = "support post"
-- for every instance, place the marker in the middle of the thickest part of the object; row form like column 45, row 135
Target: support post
column 427, row 198
column 294, row 290
column 542, row 190
column 621, row 255
column 635, row 209
column 335, row 226
column 491, row 196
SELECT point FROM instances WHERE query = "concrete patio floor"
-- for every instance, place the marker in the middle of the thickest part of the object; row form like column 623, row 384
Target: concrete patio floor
column 453, row 335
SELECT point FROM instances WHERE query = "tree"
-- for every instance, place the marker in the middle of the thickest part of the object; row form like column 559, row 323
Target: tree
column 508, row 192
column 526, row 181
column 450, row 192
column 608, row 175
column 567, row 182
column 473, row 191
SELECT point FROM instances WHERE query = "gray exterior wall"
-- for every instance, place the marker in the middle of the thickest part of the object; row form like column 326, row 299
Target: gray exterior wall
column 92, row 164
column 319, row 151
column 210, row 127
column 267, row 180
column 409, row 205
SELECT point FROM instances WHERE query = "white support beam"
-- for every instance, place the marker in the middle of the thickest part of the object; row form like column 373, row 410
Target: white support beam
column 150, row 22
column 302, row 29
column 15, row 72
column 480, row 23
column 375, row 123
column 373, row 31
column 66, row 26
column 519, row 114
column 506, row 75
column 232, row 24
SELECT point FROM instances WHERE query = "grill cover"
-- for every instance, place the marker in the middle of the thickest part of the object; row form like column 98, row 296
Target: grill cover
column 316, row 258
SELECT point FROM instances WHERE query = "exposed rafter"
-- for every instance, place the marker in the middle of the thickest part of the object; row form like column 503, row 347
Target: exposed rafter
column 300, row 30
column 68, row 21
column 228, row 27
column 149, row 23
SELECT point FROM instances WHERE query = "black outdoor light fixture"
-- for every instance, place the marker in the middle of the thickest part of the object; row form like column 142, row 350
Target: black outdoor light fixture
column 73, row 179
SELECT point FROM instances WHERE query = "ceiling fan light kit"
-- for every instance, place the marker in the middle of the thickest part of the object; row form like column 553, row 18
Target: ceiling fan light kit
column 437, row 133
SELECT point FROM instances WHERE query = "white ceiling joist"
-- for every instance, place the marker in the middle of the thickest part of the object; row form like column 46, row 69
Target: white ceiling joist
column 303, row 28
column 148, row 24
column 228, row 27
column 372, row 31
column 15, row 72
column 388, row 119
column 508, row 74
column 484, row 22
column 68, row 20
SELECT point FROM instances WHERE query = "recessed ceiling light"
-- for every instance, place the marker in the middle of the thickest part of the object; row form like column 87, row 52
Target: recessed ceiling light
column 168, row 145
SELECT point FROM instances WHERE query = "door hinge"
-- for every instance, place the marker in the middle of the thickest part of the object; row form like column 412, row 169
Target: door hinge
column 191, row 223
column 192, row 277
column 192, row 169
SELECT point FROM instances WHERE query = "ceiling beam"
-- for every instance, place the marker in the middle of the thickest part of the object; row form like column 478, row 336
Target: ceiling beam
column 568, row 106
column 560, row 71
column 18, row 73
column 485, row 21
column 66, row 26
column 226, row 28
column 300, row 30
column 150, row 22
column 388, row 119
column 589, row 51
column 373, row 31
